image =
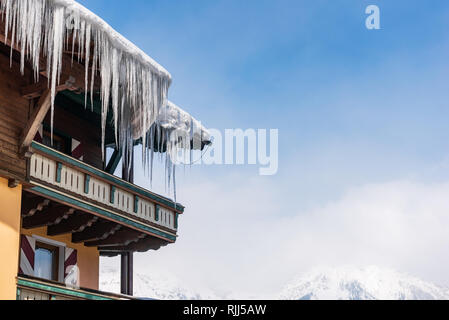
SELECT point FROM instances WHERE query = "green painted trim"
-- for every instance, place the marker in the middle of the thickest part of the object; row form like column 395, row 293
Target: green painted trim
column 176, row 220
column 86, row 184
column 18, row 294
column 112, row 200
column 158, row 208
column 102, row 212
column 58, row 172
column 103, row 175
column 136, row 204
column 64, row 291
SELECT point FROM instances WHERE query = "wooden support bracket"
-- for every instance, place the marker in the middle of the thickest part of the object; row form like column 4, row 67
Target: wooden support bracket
column 35, row 121
column 13, row 183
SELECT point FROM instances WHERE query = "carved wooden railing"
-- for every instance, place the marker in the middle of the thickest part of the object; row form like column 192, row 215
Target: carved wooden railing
column 51, row 169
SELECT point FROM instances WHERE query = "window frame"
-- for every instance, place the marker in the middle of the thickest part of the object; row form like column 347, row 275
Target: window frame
column 61, row 246
column 55, row 258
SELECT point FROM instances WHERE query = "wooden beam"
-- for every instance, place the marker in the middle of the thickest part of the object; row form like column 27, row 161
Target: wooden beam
column 122, row 237
column 76, row 223
column 51, row 216
column 37, row 89
column 34, row 90
column 114, row 161
column 99, row 231
column 31, row 205
column 36, row 119
column 143, row 245
column 130, row 274
column 13, row 183
column 124, row 273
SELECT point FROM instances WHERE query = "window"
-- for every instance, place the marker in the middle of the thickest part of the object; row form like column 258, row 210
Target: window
column 46, row 262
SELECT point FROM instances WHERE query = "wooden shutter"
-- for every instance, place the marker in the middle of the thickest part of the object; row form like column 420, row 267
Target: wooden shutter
column 27, row 253
column 71, row 271
column 77, row 150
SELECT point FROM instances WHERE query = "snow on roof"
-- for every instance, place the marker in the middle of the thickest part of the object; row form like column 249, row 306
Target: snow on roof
column 119, row 41
column 172, row 117
column 132, row 83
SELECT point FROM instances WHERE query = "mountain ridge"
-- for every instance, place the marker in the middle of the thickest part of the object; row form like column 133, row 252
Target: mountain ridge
column 369, row 283
column 325, row 283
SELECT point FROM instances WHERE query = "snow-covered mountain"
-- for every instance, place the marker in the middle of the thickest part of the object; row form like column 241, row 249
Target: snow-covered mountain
column 348, row 283
column 371, row 283
column 151, row 285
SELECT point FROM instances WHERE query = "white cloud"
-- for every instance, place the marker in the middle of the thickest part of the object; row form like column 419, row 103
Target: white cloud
column 244, row 236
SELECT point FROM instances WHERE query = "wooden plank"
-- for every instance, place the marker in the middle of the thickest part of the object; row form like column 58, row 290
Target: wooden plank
column 12, row 164
column 98, row 231
column 121, row 237
column 143, row 245
column 50, row 216
column 12, row 116
column 75, row 223
column 31, row 205
column 36, row 120
column 114, row 161
column 13, row 183
column 34, row 90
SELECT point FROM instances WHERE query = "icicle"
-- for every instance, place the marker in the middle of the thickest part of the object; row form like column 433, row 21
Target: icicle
column 56, row 55
column 116, row 57
column 13, row 33
column 132, row 85
column 86, row 62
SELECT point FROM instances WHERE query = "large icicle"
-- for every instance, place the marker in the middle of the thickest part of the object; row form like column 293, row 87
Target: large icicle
column 41, row 27
column 176, row 131
column 133, row 85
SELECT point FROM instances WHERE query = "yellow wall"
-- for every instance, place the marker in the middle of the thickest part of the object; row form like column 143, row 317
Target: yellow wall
column 10, row 202
column 88, row 258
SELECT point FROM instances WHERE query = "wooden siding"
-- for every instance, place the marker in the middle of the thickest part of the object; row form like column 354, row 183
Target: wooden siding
column 14, row 114
column 16, row 110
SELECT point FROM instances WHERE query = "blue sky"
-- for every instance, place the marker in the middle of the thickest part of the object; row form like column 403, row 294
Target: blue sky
column 355, row 108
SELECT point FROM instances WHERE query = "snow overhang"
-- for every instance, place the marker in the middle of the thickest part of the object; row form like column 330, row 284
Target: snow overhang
column 172, row 118
column 133, row 88
column 119, row 41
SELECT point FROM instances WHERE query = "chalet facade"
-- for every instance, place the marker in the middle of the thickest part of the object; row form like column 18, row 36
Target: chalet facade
column 62, row 207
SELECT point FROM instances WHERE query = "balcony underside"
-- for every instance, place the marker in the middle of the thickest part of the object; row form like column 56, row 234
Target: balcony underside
column 110, row 236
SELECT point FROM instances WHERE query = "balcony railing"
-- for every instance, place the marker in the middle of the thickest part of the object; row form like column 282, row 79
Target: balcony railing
column 29, row 288
column 52, row 171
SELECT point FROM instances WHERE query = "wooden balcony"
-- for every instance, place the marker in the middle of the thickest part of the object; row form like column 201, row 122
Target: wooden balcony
column 59, row 178
column 29, row 288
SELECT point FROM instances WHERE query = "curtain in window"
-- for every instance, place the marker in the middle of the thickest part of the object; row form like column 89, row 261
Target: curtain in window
column 44, row 260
